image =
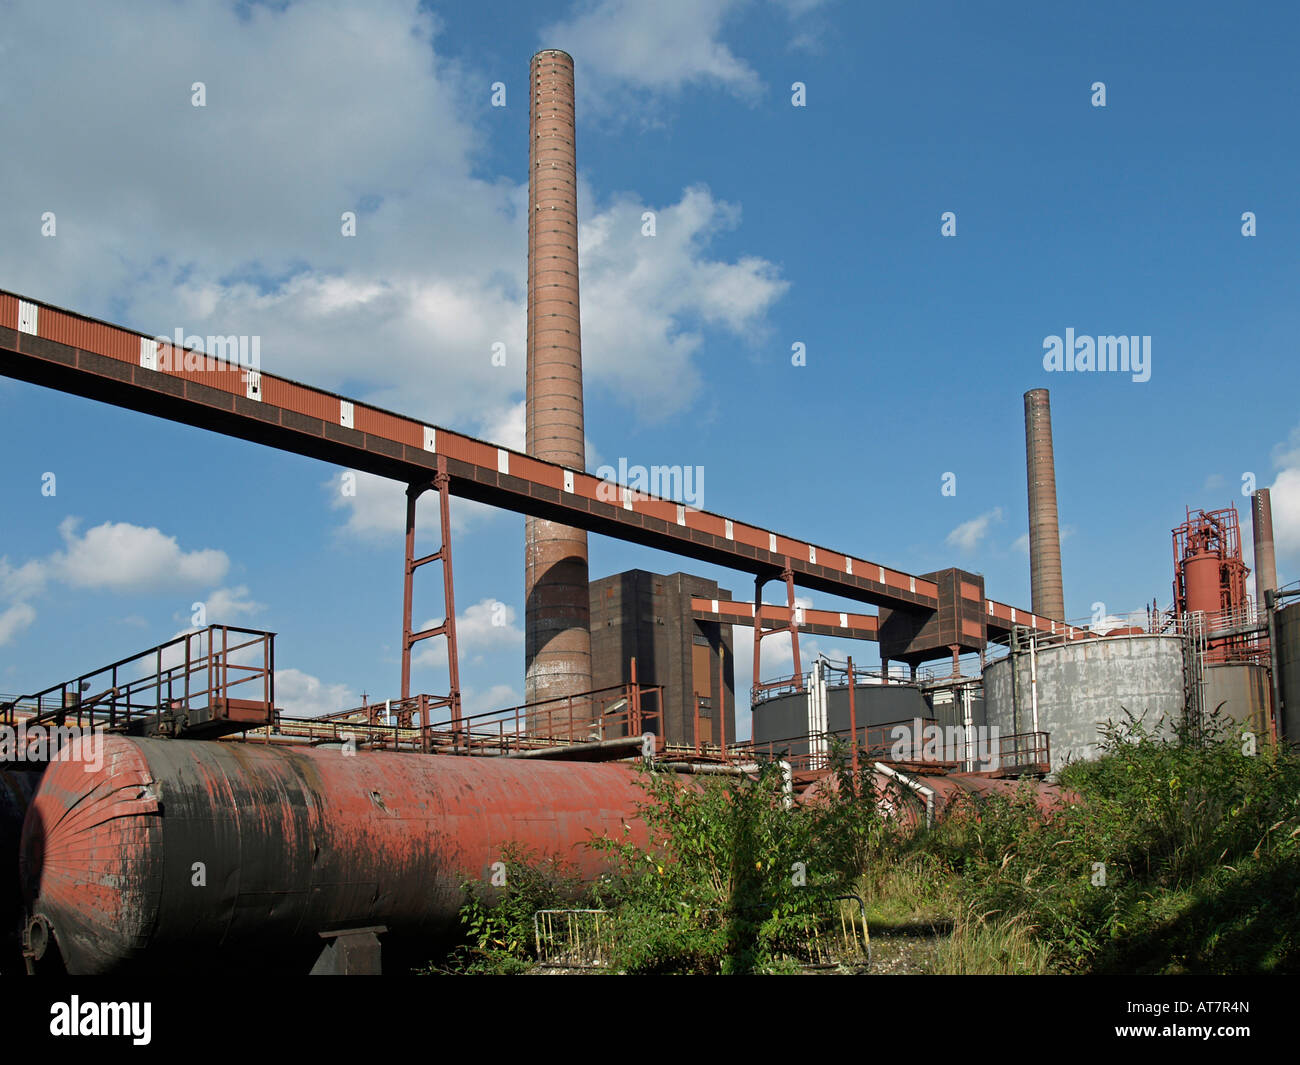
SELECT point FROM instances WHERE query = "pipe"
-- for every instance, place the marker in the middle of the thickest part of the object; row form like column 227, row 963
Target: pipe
column 710, row 769
column 1033, row 678
column 915, row 785
column 1044, row 524
column 557, row 612
column 1275, row 665
column 968, row 726
column 853, row 720
column 573, row 752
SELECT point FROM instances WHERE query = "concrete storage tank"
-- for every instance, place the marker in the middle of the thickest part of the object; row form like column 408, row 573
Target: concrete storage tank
column 187, row 855
column 1085, row 683
column 1245, row 691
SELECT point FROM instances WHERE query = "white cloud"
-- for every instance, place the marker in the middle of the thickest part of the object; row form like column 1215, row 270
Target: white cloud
column 126, row 558
column 24, row 582
column 1284, row 497
column 968, row 534
column 376, row 509
column 225, row 605
column 487, row 626
column 299, row 694
column 14, row 620
column 405, row 314
column 660, row 47
column 497, row 697
column 647, row 300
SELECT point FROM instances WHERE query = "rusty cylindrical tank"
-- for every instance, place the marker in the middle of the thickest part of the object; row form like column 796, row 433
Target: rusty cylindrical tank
column 1046, row 584
column 557, row 609
column 1204, row 583
column 16, row 789
column 225, row 855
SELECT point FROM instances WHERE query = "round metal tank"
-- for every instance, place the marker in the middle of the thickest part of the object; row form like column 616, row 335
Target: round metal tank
column 16, row 790
column 1083, row 685
column 1245, row 691
column 786, row 717
column 1204, row 584
column 181, row 854
column 1288, row 673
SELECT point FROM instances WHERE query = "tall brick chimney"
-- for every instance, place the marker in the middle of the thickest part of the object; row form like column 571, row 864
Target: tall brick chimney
column 557, row 615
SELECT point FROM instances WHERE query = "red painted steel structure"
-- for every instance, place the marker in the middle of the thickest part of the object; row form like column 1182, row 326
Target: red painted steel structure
column 819, row 622
column 1209, row 574
column 292, row 842
column 85, row 357
column 557, row 611
column 447, row 629
column 760, row 630
column 1210, row 580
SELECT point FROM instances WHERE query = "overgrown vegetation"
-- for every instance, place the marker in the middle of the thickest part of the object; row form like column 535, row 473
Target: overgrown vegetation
column 1174, row 855
column 1182, row 855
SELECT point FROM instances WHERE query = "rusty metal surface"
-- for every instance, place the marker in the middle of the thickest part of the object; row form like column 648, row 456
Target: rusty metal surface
column 293, row 842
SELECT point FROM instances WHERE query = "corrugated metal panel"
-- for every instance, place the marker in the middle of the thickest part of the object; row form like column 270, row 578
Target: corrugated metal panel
column 9, row 312
column 219, row 376
column 388, row 426
column 302, row 400
column 90, row 336
column 656, row 509
column 532, row 470
column 276, row 392
column 455, row 446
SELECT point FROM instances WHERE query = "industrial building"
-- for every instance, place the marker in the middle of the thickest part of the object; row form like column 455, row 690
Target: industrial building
column 322, row 839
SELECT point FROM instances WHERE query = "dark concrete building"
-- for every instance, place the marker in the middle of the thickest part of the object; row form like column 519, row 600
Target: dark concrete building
column 648, row 616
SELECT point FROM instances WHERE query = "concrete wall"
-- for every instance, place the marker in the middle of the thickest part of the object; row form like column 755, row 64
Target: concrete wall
column 1244, row 689
column 1085, row 684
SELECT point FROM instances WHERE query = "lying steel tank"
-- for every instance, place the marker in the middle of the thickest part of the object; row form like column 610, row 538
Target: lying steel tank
column 206, row 856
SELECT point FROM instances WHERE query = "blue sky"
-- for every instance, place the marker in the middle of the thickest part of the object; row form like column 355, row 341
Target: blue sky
column 775, row 225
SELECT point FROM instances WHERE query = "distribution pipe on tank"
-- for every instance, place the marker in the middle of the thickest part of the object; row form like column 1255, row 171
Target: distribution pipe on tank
column 914, row 785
